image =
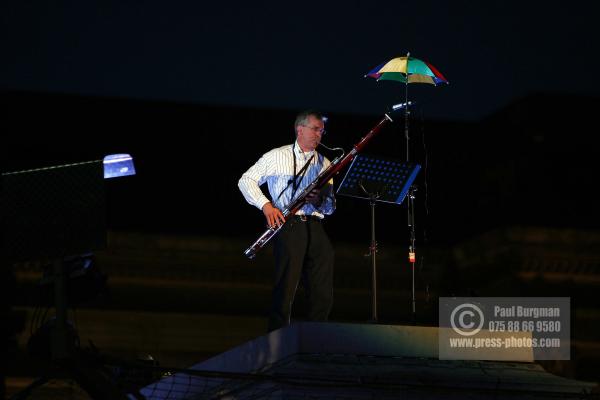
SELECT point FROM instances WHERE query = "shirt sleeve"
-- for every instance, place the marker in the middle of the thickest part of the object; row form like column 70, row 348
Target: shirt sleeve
column 249, row 183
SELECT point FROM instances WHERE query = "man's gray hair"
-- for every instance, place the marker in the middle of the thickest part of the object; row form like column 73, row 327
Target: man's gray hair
column 302, row 118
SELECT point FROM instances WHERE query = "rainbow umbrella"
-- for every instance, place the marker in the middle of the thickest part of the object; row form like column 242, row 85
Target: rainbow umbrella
column 401, row 68
column 407, row 70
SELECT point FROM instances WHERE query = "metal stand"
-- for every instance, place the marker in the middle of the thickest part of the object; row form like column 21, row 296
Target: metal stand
column 53, row 213
column 61, row 346
column 377, row 179
column 412, row 248
column 411, row 211
column 418, row 71
column 373, row 254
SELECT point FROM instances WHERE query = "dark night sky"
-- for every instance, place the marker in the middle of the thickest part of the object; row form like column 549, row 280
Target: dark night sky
column 301, row 54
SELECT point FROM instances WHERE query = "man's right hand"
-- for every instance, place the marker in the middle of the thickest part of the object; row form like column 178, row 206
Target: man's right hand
column 273, row 215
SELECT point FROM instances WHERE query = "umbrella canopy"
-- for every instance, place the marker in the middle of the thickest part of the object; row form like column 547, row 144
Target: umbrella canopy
column 401, row 68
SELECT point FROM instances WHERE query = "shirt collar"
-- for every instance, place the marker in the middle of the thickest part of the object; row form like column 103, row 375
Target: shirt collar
column 300, row 153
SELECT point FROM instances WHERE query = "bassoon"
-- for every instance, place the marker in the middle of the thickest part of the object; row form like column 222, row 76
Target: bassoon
column 325, row 176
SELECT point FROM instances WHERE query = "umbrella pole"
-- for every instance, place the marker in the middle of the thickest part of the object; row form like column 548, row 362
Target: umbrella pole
column 406, row 112
column 410, row 209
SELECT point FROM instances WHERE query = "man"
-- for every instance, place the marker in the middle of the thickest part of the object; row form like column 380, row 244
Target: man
column 301, row 247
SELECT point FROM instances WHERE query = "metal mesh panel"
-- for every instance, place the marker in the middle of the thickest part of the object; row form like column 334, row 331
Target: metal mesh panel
column 53, row 212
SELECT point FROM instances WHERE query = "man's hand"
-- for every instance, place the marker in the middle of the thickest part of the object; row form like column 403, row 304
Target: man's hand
column 273, row 215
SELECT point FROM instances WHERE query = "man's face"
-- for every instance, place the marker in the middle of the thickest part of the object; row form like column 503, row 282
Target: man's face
column 309, row 134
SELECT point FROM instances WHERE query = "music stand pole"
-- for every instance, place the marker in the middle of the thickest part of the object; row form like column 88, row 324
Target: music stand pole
column 373, row 252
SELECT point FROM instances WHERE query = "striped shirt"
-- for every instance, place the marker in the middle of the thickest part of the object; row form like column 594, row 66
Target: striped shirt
column 276, row 168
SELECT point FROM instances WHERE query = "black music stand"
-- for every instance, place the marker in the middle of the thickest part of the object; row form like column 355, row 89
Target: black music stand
column 383, row 179
column 50, row 215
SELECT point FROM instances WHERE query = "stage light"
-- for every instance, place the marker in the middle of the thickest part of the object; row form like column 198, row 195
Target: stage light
column 116, row 165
